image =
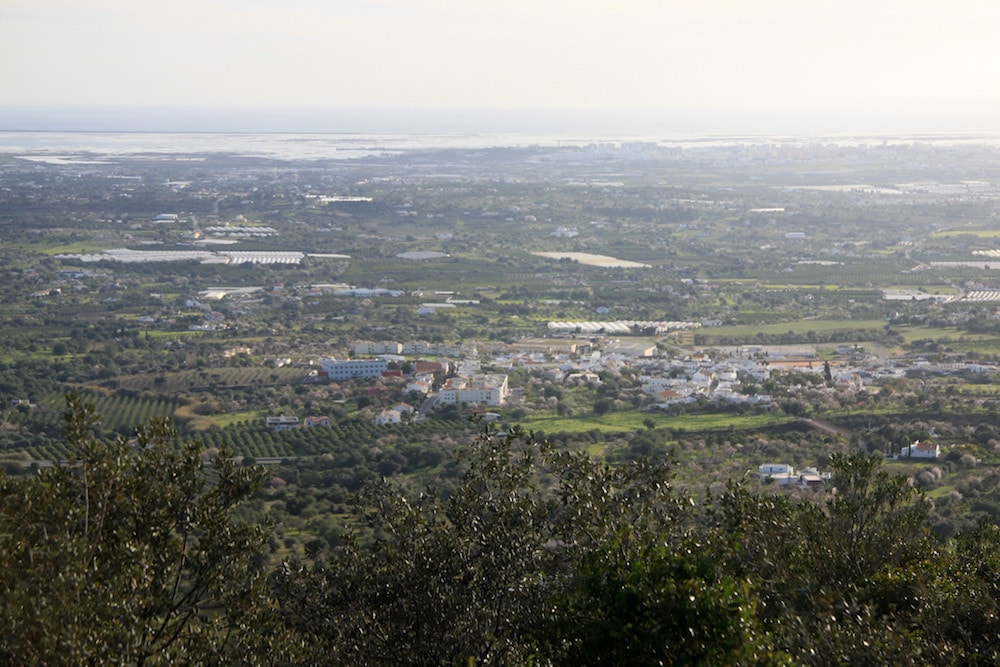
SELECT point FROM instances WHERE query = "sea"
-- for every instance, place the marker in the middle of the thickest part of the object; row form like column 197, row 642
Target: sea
column 84, row 147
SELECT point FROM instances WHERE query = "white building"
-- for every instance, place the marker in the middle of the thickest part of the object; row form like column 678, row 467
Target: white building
column 479, row 389
column 388, row 417
column 367, row 347
column 283, row 423
column 921, row 450
column 351, row 369
column 779, row 473
column 419, row 386
column 783, row 474
column 417, row 347
column 847, row 382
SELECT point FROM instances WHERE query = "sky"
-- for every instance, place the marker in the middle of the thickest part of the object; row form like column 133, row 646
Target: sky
column 687, row 64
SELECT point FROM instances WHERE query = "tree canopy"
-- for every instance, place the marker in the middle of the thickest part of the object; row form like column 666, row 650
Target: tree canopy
column 131, row 553
column 127, row 553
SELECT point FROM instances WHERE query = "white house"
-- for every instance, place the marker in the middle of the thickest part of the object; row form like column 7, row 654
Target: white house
column 779, row 473
column 727, row 375
column 703, row 378
column 388, row 417
column 921, row 450
column 810, row 478
column 419, row 386
column 283, row 423
column 847, row 382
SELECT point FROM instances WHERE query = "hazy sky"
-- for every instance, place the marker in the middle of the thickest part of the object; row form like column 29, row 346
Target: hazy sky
column 934, row 58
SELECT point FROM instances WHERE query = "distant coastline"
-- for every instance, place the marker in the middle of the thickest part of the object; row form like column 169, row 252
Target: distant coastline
column 620, row 121
column 81, row 147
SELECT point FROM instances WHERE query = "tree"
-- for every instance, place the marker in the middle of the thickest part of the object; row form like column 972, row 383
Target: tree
column 830, row 574
column 129, row 554
column 873, row 520
column 532, row 557
column 602, row 406
column 649, row 603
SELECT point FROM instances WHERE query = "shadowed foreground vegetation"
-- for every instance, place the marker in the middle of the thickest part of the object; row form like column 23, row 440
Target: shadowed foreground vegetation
column 134, row 554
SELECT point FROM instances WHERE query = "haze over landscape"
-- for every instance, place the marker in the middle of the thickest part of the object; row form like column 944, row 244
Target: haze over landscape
column 440, row 65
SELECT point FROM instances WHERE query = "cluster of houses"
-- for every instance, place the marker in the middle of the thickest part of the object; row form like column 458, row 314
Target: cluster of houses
column 669, row 381
column 735, row 378
column 467, row 387
column 687, row 380
column 698, row 376
column 785, row 475
column 421, row 381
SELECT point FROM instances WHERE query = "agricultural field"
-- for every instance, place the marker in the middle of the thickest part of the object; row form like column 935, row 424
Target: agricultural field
column 765, row 245
column 211, row 379
column 628, row 422
column 798, row 327
column 978, row 233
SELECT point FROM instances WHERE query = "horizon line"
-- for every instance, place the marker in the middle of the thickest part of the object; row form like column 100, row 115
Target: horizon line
column 570, row 121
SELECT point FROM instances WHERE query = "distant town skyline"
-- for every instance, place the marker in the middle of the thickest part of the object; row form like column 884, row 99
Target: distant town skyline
column 351, row 65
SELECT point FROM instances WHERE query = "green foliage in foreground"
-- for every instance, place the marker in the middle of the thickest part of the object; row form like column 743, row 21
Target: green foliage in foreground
column 539, row 556
column 554, row 558
column 127, row 554
column 536, row 555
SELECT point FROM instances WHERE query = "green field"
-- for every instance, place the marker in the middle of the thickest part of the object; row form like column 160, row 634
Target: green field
column 625, row 422
column 197, row 422
column 810, row 286
column 797, row 327
column 979, row 233
column 930, row 289
column 80, row 247
column 942, row 334
column 183, row 333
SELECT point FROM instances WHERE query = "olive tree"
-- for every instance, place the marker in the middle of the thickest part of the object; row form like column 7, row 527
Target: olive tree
column 533, row 556
column 128, row 554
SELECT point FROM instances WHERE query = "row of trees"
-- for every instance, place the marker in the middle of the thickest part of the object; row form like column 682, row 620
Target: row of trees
column 134, row 555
